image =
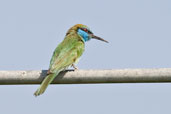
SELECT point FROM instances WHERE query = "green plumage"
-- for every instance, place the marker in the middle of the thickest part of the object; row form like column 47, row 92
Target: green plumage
column 67, row 53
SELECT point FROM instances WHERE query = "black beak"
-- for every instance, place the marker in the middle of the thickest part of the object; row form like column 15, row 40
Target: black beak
column 98, row 38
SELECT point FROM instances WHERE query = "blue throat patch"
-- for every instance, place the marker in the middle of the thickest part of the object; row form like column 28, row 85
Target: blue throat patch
column 84, row 35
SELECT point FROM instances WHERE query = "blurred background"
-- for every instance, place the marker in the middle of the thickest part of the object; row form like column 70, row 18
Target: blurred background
column 139, row 36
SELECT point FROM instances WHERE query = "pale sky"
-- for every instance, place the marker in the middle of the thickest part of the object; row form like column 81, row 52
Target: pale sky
column 139, row 32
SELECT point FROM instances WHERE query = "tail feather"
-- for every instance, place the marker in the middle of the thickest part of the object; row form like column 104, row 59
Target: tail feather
column 48, row 79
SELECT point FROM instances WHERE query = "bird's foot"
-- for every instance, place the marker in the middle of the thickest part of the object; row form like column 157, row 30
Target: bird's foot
column 75, row 68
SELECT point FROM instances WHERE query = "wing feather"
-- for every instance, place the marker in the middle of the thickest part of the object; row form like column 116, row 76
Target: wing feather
column 66, row 53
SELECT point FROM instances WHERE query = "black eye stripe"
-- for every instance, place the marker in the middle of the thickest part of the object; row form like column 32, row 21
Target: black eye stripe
column 86, row 30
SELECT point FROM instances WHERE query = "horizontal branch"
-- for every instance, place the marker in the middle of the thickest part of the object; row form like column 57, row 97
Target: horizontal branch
column 88, row 76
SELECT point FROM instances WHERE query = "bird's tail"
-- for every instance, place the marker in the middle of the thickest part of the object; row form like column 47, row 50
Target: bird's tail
column 48, row 79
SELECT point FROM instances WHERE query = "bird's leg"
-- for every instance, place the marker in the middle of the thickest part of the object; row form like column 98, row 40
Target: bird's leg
column 75, row 68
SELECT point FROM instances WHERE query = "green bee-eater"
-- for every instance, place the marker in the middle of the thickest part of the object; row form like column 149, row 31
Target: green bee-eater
column 67, row 53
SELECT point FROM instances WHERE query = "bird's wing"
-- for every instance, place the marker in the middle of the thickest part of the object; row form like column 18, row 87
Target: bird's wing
column 66, row 54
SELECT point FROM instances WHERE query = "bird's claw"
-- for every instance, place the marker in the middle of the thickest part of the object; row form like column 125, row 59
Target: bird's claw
column 75, row 68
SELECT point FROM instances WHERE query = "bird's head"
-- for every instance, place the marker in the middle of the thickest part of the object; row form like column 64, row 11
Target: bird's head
column 85, row 33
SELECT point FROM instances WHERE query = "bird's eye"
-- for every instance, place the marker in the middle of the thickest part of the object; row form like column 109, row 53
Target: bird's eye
column 85, row 30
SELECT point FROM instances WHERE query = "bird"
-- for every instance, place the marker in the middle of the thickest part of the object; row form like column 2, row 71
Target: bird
column 67, row 53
